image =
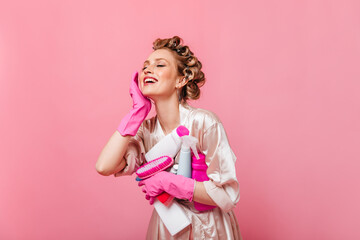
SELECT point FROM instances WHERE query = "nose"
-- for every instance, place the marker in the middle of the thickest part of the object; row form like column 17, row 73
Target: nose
column 148, row 69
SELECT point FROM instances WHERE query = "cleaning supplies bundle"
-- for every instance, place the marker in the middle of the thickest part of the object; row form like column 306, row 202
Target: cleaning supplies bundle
column 172, row 215
column 191, row 165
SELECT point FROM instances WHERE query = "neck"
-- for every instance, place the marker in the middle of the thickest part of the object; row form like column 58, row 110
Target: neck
column 168, row 114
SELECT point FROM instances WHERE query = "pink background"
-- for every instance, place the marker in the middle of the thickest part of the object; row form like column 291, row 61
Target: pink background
column 283, row 76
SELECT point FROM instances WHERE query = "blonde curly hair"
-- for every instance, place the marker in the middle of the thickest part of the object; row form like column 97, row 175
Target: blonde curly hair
column 187, row 64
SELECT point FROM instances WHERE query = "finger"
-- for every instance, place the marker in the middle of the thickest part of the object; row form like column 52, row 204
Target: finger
column 143, row 190
column 147, row 197
column 141, row 183
column 136, row 79
column 134, row 86
column 152, row 201
column 135, row 76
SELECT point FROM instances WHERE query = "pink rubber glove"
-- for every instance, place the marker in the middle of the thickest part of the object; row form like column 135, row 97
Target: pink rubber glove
column 175, row 185
column 130, row 124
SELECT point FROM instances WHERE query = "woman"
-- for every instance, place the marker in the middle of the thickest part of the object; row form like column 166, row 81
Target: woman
column 170, row 76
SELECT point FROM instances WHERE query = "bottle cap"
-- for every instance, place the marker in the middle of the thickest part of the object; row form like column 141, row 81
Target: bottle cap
column 182, row 131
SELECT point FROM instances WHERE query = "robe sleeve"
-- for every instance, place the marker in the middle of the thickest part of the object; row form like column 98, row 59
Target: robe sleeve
column 223, row 187
column 135, row 153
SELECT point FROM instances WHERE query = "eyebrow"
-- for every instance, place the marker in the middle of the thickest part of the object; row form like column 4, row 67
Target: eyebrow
column 156, row 59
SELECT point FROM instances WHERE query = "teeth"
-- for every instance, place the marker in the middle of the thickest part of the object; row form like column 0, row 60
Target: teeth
column 149, row 80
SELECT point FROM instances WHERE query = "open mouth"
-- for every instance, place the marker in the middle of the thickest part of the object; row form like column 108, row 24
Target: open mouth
column 149, row 80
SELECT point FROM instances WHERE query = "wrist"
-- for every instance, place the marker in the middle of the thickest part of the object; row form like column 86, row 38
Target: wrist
column 189, row 186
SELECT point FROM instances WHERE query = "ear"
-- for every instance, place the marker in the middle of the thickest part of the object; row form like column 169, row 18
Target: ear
column 181, row 82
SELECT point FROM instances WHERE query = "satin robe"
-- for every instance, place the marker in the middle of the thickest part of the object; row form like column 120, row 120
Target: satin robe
column 223, row 187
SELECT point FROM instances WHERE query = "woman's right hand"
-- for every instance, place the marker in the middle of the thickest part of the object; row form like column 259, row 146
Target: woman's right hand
column 130, row 124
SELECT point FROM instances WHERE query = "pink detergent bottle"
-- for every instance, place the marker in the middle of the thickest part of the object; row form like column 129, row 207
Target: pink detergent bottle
column 198, row 173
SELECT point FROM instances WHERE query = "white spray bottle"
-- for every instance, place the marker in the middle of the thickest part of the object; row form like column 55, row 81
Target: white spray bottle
column 169, row 145
column 184, row 167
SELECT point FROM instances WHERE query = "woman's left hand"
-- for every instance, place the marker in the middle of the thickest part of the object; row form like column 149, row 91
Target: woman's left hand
column 175, row 185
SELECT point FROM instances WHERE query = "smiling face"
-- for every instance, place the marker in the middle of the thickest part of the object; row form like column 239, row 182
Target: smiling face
column 162, row 67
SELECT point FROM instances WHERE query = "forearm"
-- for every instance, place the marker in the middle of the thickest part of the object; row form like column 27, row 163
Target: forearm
column 111, row 158
column 201, row 196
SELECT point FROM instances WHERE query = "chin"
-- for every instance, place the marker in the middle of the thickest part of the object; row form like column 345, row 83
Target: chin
column 147, row 94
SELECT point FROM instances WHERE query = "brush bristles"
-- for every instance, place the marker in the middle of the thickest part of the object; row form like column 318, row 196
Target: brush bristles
column 154, row 167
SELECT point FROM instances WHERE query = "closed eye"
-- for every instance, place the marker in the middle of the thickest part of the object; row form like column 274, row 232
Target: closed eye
column 156, row 65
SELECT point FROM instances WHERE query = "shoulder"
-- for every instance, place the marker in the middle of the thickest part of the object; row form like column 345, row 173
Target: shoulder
column 207, row 115
column 204, row 117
